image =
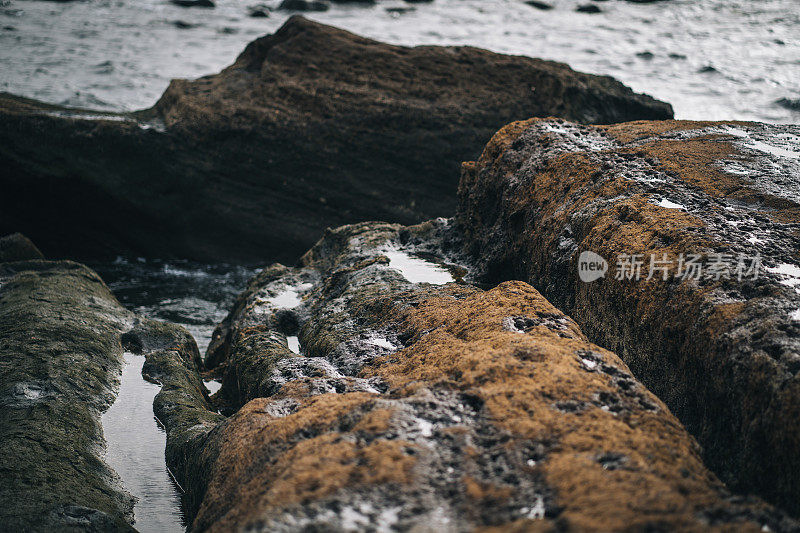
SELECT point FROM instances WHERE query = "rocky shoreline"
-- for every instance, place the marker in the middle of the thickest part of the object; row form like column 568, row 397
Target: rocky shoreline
column 604, row 336
column 258, row 160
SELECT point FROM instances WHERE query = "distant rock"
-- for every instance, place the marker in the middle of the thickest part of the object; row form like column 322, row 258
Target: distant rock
column 698, row 225
column 304, row 5
column 17, row 247
column 183, row 25
column 194, row 3
column 258, row 11
column 646, row 55
column 400, row 10
column 789, row 103
column 588, row 8
column 539, row 5
column 258, row 160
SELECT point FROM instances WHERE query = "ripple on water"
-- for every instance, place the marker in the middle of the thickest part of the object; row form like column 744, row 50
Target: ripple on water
column 135, row 450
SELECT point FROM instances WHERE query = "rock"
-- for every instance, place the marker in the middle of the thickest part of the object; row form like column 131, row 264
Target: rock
column 17, row 247
column 789, row 103
column 588, row 8
column 304, row 5
column 647, row 55
column 723, row 353
column 539, row 5
column 421, row 406
column 400, row 10
column 182, row 25
column 60, row 360
column 194, row 3
column 259, row 159
column 258, row 13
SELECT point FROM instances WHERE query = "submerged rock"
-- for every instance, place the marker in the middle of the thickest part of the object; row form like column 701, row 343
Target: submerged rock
column 311, row 127
column 418, row 406
column 60, row 359
column 17, row 247
column 710, row 213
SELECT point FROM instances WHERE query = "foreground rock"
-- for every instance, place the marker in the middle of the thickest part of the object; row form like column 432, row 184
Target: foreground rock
column 62, row 335
column 723, row 351
column 311, row 127
column 435, row 407
column 60, row 359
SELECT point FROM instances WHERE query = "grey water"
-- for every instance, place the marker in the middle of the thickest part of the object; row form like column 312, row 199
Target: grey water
column 196, row 296
column 135, row 445
column 711, row 59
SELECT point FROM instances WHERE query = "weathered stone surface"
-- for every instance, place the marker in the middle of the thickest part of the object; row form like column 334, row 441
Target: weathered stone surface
column 311, row 127
column 724, row 354
column 17, row 247
column 437, row 407
column 60, row 359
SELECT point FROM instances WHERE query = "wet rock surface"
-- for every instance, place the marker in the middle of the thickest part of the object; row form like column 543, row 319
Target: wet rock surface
column 257, row 160
column 416, row 406
column 722, row 349
column 60, row 359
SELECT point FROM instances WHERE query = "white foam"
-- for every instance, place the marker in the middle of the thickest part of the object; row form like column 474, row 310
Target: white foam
column 790, row 273
column 212, row 385
column 294, row 343
column 381, row 342
column 670, row 205
column 417, row 270
column 761, row 146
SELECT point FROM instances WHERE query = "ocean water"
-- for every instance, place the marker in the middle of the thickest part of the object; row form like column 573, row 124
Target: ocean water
column 711, row 59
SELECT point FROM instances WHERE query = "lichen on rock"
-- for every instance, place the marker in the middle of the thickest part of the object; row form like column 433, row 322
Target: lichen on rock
column 722, row 351
column 437, row 406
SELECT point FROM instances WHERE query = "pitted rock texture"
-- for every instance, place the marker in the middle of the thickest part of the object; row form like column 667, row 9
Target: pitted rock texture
column 420, row 407
column 60, row 360
column 311, row 127
column 723, row 353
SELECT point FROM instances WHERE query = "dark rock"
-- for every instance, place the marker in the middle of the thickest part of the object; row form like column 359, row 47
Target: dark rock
column 707, row 69
column 304, row 5
column 539, row 5
column 400, row 10
column 789, row 103
column 194, row 3
column 588, row 8
column 645, row 55
column 722, row 351
column 181, row 25
column 425, row 407
column 258, row 160
column 60, row 360
column 258, row 13
column 17, row 247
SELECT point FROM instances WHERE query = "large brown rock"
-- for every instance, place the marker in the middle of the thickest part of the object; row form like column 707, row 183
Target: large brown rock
column 311, row 127
column 723, row 353
column 420, row 407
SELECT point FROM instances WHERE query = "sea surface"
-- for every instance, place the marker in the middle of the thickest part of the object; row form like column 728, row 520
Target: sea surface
column 711, row 59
